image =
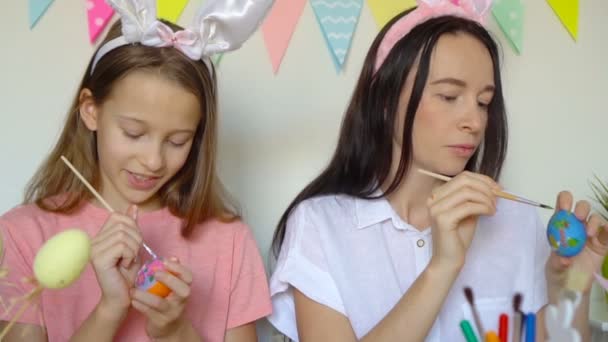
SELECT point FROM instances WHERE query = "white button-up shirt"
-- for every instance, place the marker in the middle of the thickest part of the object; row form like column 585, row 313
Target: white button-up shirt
column 359, row 258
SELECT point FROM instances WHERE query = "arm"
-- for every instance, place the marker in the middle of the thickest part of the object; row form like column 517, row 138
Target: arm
column 244, row 333
column 101, row 323
column 418, row 307
column 454, row 208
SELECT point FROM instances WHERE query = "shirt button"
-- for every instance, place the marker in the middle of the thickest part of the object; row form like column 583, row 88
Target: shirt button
column 420, row 243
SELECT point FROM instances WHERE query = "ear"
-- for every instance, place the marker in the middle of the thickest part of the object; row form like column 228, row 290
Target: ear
column 482, row 7
column 89, row 112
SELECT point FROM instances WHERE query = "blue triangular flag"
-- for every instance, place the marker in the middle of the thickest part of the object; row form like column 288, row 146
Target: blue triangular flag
column 37, row 9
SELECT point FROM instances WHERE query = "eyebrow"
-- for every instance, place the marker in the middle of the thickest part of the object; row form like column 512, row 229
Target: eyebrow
column 460, row 83
column 139, row 121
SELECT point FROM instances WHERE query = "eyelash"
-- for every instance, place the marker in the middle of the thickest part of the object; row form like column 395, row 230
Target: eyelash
column 137, row 136
column 447, row 98
column 453, row 98
column 131, row 136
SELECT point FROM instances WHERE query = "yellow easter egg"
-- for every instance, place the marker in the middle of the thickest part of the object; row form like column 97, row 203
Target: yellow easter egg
column 62, row 258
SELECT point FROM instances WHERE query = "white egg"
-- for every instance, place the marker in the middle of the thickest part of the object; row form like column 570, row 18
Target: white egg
column 62, row 258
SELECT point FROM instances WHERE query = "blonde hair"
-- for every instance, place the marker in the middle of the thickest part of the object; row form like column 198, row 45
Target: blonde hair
column 194, row 194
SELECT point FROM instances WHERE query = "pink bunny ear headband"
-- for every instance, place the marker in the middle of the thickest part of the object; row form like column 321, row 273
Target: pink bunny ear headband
column 475, row 10
column 219, row 26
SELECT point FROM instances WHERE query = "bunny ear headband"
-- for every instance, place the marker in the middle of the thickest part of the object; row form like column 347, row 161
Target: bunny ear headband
column 219, row 26
column 475, row 10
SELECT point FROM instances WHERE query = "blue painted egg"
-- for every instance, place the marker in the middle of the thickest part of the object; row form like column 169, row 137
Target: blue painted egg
column 566, row 234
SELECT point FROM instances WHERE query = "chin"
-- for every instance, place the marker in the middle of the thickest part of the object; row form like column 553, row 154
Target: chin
column 451, row 169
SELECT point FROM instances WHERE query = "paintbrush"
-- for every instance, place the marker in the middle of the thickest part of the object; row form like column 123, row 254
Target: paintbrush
column 468, row 293
column 499, row 193
column 99, row 198
column 517, row 317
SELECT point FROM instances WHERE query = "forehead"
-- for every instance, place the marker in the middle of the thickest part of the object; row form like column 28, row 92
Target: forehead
column 461, row 56
column 152, row 97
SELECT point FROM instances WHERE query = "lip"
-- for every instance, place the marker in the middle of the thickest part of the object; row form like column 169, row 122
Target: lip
column 140, row 181
column 463, row 150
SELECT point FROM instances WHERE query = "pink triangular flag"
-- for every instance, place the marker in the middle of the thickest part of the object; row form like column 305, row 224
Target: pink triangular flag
column 99, row 14
column 278, row 27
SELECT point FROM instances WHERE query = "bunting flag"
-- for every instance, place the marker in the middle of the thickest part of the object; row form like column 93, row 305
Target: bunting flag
column 217, row 59
column 509, row 15
column 278, row 28
column 37, row 9
column 170, row 10
column 338, row 20
column 99, row 14
column 567, row 11
column 385, row 10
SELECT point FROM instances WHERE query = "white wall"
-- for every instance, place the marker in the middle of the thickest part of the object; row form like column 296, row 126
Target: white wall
column 278, row 131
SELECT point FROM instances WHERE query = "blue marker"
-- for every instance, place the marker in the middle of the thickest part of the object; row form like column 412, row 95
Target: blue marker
column 530, row 327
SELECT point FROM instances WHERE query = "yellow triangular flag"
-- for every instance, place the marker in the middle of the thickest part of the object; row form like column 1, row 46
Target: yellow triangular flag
column 385, row 10
column 170, row 9
column 567, row 11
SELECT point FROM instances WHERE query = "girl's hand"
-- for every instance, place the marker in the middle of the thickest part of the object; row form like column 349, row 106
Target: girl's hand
column 114, row 253
column 165, row 315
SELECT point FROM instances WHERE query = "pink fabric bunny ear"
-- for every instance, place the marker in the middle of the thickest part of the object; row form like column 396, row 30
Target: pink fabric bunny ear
column 475, row 10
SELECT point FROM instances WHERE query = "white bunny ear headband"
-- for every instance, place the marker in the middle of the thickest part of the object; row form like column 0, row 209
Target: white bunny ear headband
column 219, row 26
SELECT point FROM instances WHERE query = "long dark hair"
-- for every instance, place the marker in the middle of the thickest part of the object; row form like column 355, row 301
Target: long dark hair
column 362, row 159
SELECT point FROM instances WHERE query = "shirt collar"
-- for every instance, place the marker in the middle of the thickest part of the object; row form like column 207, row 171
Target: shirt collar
column 373, row 211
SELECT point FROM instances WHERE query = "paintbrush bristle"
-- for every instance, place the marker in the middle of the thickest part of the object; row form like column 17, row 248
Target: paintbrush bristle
column 468, row 293
column 544, row 206
column 517, row 299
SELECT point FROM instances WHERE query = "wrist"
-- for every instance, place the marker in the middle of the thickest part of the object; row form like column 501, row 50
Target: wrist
column 110, row 312
column 182, row 331
column 441, row 273
column 443, row 270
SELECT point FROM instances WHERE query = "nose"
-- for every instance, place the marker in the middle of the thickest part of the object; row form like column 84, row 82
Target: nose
column 473, row 118
column 152, row 157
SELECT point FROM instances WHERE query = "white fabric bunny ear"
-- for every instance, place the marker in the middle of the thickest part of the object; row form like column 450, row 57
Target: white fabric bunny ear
column 226, row 25
column 136, row 17
column 220, row 26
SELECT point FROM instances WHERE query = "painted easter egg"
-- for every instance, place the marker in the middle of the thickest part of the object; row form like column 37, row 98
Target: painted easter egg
column 566, row 233
column 147, row 282
column 62, row 258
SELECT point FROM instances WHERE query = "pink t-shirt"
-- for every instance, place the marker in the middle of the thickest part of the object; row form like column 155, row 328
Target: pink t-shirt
column 229, row 288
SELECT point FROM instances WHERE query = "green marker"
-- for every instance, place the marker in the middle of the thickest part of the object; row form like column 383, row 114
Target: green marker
column 467, row 330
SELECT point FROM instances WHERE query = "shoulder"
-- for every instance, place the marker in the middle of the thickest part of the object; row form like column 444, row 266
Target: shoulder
column 324, row 210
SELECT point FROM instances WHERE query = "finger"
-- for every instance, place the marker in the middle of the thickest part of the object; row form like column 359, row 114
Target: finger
column 582, row 210
column 180, row 270
column 602, row 235
column 464, row 210
column 466, row 195
column 116, row 224
column 153, row 315
column 126, row 247
column 558, row 262
column 177, row 285
column 155, row 302
column 110, row 256
column 594, row 224
column 132, row 212
column 564, row 201
column 121, row 230
column 463, row 180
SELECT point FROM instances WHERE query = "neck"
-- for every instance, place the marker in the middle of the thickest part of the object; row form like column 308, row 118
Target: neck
column 410, row 197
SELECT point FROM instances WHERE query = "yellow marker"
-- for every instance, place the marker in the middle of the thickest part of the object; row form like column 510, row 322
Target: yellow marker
column 492, row 337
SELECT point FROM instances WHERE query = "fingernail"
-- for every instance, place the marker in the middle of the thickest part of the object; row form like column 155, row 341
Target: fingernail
column 174, row 259
column 135, row 210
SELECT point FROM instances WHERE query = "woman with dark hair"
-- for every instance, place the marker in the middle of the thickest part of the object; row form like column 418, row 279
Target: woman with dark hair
column 374, row 250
